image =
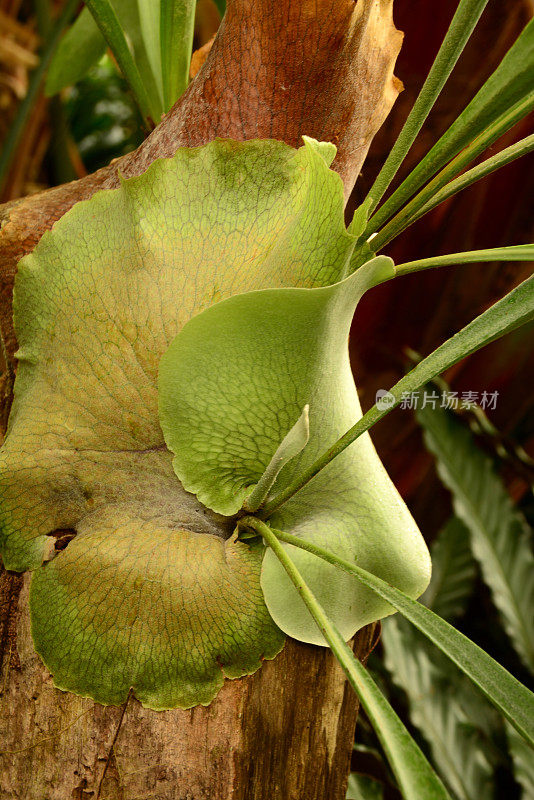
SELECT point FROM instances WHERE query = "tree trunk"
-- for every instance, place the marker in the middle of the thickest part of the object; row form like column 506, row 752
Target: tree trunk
column 276, row 70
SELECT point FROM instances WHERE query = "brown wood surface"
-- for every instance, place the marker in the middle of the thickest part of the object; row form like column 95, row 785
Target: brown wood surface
column 286, row 733
column 276, row 69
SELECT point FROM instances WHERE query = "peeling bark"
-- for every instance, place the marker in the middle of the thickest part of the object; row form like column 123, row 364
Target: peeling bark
column 280, row 70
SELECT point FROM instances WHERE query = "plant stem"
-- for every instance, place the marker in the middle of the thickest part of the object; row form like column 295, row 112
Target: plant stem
column 221, row 7
column 488, row 166
column 24, row 110
column 176, row 33
column 111, row 29
column 415, row 775
column 327, row 628
column 513, row 310
column 521, row 252
column 463, row 23
column 504, row 691
column 407, row 215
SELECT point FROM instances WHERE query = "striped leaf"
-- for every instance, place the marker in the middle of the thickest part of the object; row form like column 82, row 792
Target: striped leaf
column 500, row 539
column 453, row 571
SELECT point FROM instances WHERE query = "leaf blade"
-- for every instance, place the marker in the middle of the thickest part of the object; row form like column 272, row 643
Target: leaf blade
column 522, row 761
column 462, row 25
column 480, row 171
column 504, row 691
column 80, row 48
column 499, row 537
column 416, row 777
column 453, row 571
column 512, row 311
column 149, row 18
column 107, row 20
column 85, row 448
column 223, row 431
column 521, row 252
column 438, row 707
column 176, row 35
column 510, row 83
column 490, row 134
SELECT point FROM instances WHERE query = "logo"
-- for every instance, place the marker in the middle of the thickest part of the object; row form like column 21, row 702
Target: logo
column 384, row 400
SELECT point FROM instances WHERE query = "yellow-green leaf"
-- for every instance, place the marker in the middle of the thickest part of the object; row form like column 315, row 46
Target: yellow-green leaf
column 153, row 593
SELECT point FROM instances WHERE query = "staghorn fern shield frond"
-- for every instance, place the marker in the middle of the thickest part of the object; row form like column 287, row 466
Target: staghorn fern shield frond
column 155, row 592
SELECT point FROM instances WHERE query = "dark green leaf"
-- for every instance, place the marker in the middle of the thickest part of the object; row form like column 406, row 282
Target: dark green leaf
column 221, row 6
column 78, row 51
column 438, row 708
column 150, row 32
column 504, row 691
column 523, row 758
column 113, row 32
column 361, row 787
column 84, row 44
column 453, row 571
column 501, row 159
column 176, row 35
column 500, row 539
column 463, row 23
column 510, row 84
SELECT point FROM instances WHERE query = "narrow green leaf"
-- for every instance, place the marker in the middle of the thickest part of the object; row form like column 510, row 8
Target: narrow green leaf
column 108, row 22
column 523, row 759
column 453, row 571
column 507, row 86
column 221, row 6
column 359, row 220
column 437, row 704
column 463, row 23
column 493, row 131
column 362, row 251
column 506, row 156
column 291, row 445
column 520, row 252
column 149, row 18
column 513, row 310
column 500, row 539
column 504, row 691
column 79, row 50
column 414, row 774
column 176, row 32
column 84, row 43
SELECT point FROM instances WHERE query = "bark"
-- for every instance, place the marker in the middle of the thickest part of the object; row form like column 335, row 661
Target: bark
column 285, row 733
column 280, row 70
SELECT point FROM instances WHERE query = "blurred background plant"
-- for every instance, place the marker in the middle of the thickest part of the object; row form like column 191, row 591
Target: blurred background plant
column 89, row 107
column 83, row 112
